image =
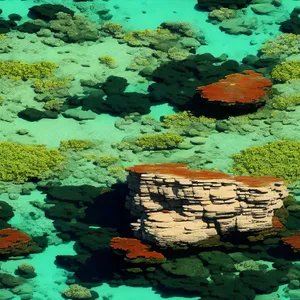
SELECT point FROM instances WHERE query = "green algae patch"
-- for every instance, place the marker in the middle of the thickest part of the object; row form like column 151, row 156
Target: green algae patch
column 151, row 38
column 285, row 102
column 51, row 85
column 282, row 44
column 159, row 141
column 18, row 70
column 75, row 145
column 102, row 161
column 280, row 158
column 185, row 123
column 20, row 163
column 286, row 70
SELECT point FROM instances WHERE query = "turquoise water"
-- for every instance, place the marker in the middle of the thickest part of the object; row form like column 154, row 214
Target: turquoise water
column 105, row 87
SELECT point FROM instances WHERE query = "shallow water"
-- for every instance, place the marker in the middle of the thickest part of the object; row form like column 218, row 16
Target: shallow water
column 116, row 92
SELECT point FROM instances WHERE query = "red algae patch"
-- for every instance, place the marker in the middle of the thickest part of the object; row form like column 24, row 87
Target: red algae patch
column 276, row 223
column 135, row 249
column 249, row 87
column 257, row 181
column 181, row 170
column 293, row 241
column 14, row 242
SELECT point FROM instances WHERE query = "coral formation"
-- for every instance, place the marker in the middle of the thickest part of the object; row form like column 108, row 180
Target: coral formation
column 178, row 54
column 77, row 291
column 73, row 29
column 222, row 14
column 112, row 28
column 26, row 268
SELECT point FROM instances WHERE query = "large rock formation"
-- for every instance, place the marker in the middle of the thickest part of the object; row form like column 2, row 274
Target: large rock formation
column 175, row 205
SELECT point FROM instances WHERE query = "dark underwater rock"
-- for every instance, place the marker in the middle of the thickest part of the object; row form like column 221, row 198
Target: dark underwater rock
column 75, row 194
column 33, row 114
column 292, row 25
column 6, row 211
column 206, row 4
column 187, row 267
column 114, row 85
column 47, row 12
column 117, row 104
column 65, row 211
column 31, row 27
column 15, row 17
column 6, row 26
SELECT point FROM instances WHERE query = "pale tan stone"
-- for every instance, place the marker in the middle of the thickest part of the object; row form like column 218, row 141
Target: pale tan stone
column 175, row 210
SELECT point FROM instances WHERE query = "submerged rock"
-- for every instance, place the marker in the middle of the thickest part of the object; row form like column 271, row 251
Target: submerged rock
column 210, row 203
column 79, row 114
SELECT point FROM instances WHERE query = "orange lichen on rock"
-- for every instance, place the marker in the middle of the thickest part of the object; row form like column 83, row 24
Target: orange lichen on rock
column 276, row 223
column 249, row 87
column 293, row 241
column 14, row 242
column 181, row 170
column 257, row 181
column 134, row 248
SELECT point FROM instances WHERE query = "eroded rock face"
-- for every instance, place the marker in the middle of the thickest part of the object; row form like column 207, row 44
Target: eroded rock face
column 175, row 205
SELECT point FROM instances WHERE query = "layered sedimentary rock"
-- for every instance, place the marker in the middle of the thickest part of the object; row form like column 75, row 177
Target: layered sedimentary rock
column 175, row 205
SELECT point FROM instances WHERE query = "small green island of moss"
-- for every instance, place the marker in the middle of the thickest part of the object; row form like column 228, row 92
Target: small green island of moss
column 21, row 163
column 280, row 158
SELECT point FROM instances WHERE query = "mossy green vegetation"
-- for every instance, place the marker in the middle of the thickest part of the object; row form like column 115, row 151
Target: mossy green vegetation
column 178, row 54
column 102, row 161
column 18, row 70
column 281, row 102
column 108, row 61
column 118, row 173
column 280, row 158
column 54, row 105
column 75, row 145
column 112, row 28
column 159, row 141
column 51, row 85
column 77, row 291
column 151, row 38
column 74, row 29
column 286, row 70
column 285, row 43
column 185, row 123
column 185, row 119
column 20, row 163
